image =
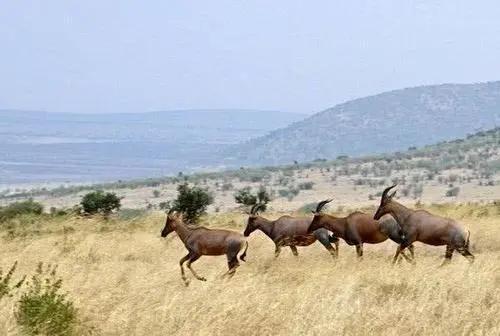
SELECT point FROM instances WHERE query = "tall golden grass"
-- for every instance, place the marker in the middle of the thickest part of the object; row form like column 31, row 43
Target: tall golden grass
column 125, row 280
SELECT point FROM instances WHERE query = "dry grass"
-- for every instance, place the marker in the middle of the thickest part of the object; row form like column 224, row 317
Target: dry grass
column 125, row 281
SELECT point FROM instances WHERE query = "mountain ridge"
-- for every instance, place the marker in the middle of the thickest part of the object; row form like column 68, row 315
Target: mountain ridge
column 362, row 126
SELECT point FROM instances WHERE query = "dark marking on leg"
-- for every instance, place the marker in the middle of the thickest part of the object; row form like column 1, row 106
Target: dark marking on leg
column 359, row 250
column 448, row 254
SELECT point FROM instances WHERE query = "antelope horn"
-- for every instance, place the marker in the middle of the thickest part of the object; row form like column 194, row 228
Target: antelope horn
column 254, row 207
column 322, row 204
column 386, row 191
column 170, row 211
column 259, row 206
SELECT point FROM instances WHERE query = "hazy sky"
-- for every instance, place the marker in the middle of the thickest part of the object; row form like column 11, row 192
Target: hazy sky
column 298, row 56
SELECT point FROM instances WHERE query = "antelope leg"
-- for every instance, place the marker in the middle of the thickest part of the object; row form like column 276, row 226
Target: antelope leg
column 398, row 251
column 447, row 256
column 232, row 265
column 466, row 253
column 294, row 250
column 183, row 275
column 408, row 259
column 277, row 250
column 411, row 248
column 359, row 250
column 192, row 260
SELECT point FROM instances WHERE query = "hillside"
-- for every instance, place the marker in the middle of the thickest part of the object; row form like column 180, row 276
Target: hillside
column 58, row 147
column 382, row 123
column 462, row 170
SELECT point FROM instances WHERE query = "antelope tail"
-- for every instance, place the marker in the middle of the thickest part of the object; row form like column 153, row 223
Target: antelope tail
column 244, row 255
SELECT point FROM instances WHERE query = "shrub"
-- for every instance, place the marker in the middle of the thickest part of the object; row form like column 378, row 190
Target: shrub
column 245, row 197
column 42, row 309
column 289, row 193
column 164, row 205
column 156, row 193
column 227, row 186
column 453, row 192
column 306, row 185
column 100, row 202
column 6, row 288
column 20, row 208
column 192, row 201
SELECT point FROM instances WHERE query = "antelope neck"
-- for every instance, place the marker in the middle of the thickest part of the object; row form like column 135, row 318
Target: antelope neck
column 183, row 231
column 399, row 212
column 265, row 225
column 336, row 225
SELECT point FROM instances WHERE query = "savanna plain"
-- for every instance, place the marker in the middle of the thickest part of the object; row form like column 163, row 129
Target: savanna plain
column 125, row 280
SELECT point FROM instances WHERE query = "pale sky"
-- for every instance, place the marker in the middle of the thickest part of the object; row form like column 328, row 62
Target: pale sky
column 298, row 56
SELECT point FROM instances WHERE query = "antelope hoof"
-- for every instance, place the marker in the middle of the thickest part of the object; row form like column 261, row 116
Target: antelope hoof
column 202, row 279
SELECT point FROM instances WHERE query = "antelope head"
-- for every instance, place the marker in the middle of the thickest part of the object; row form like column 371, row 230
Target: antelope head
column 385, row 201
column 252, row 216
column 315, row 224
column 171, row 222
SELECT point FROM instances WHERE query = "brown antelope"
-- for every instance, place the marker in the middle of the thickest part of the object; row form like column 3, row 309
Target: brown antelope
column 289, row 231
column 358, row 228
column 203, row 241
column 422, row 226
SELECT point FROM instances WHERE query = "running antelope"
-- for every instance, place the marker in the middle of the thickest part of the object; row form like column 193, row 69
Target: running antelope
column 289, row 231
column 203, row 241
column 422, row 226
column 358, row 228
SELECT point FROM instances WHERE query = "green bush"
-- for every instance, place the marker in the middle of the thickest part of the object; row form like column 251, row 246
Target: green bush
column 42, row 310
column 192, row 202
column 306, row 185
column 6, row 288
column 246, row 197
column 100, row 202
column 453, row 192
column 289, row 193
column 20, row 208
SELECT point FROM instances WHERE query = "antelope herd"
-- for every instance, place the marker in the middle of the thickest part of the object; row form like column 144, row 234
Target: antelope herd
column 392, row 220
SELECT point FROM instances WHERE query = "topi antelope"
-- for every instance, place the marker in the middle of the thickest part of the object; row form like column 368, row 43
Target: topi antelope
column 422, row 226
column 358, row 228
column 202, row 241
column 289, row 231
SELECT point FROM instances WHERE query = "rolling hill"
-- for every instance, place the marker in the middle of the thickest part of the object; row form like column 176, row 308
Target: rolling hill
column 385, row 122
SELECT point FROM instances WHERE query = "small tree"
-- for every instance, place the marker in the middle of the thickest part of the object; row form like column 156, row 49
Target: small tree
column 100, row 202
column 246, row 197
column 42, row 309
column 192, row 202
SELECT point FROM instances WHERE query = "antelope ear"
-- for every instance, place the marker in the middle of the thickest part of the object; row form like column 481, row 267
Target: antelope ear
column 393, row 194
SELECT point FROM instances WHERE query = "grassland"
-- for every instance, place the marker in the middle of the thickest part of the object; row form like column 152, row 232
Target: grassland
column 125, row 280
